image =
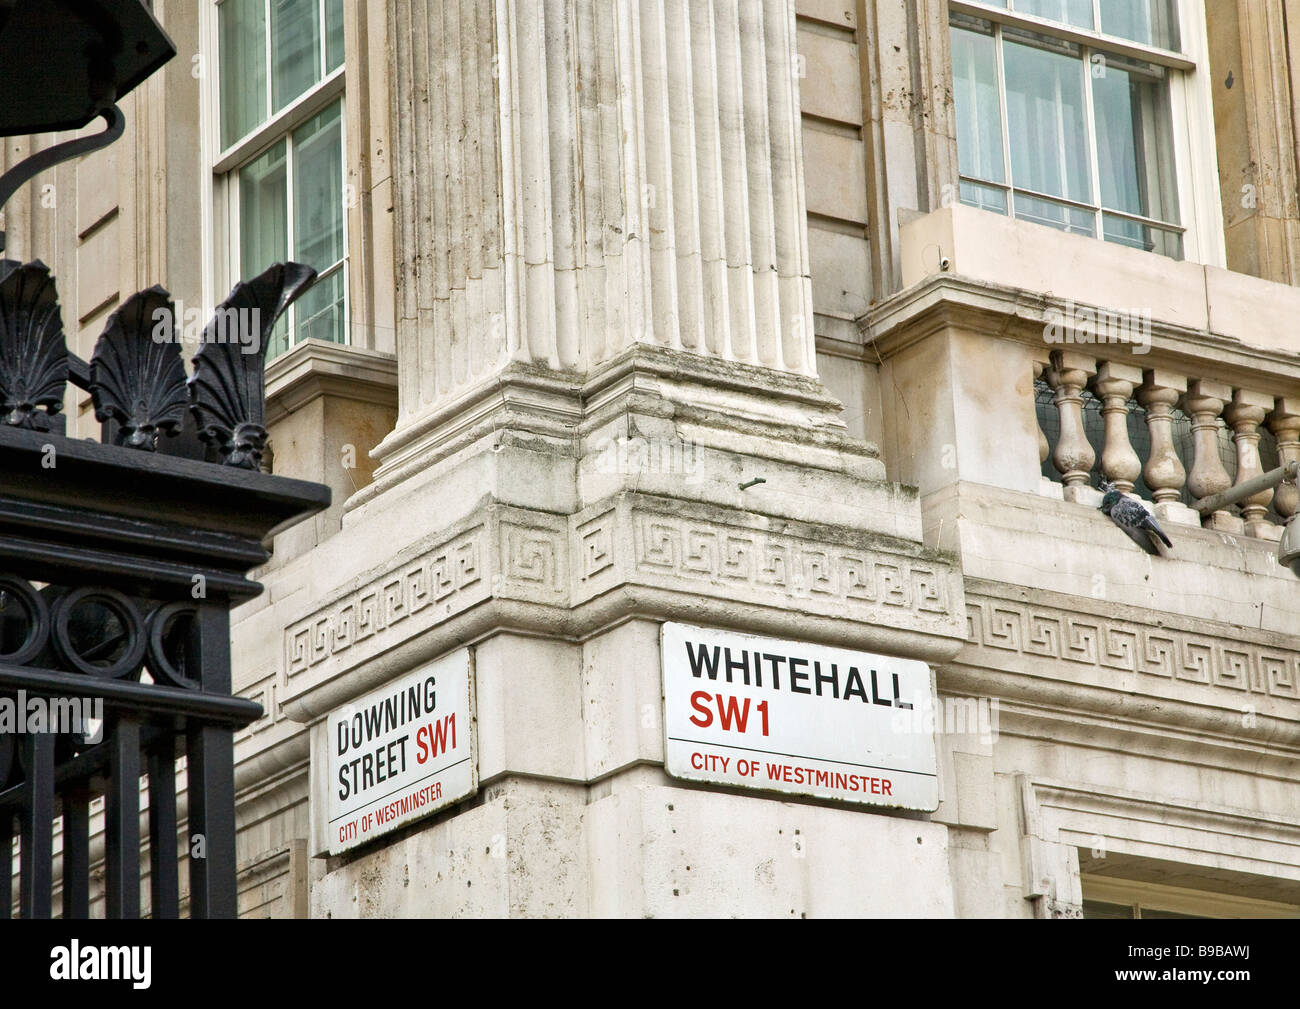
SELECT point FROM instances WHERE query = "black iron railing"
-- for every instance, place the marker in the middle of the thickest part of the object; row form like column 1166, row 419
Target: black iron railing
column 119, row 564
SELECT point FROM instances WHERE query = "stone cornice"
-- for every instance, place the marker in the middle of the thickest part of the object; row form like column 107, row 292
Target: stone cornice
column 948, row 300
column 791, row 415
column 633, row 555
column 665, row 363
column 315, row 368
column 525, row 398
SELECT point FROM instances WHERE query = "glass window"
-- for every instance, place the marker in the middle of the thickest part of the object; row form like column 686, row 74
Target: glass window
column 1045, row 118
column 1135, row 146
column 286, row 200
column 272, row 52
column 264, row 224
column 333, row 36
column 295, row 49
column 291, row 198
column 1070, row 12
column 1070, row 136
column 243, row 67
column 979, row 120
column 318, row 223
column 1151, row 22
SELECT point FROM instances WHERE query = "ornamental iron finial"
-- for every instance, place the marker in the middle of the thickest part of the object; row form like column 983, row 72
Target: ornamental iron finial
column 137, row 375
column 33, row 356
column 228, row 387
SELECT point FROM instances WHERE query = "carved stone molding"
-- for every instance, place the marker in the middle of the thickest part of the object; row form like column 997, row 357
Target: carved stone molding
column 671, row 543
column 1067, row 823
column 1062, row 639
column 558, row 574
column 434, row 583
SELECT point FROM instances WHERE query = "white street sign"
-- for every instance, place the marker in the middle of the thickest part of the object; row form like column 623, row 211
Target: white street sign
column 792, row 717
column 401, row 752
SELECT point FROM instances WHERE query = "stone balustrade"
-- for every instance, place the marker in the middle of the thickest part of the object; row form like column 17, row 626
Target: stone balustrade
column 1213, row 409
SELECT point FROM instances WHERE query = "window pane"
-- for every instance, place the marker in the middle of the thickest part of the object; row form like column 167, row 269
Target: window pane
column 264, row 223
column 975, row 94
column 1056, row 215
column 1070, row 12
column 333, row 35
column 320, row 310
column 1134, row 139
column 318, row 221
column 242, row 39
column 1151, row 22
column 1142, row 236
column 1100, row 909
column 1045, row 120
column 295, row 49
column 318, row 189
column 984, row 197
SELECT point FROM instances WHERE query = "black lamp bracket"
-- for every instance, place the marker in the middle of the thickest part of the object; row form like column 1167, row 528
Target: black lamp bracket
column 12, row 180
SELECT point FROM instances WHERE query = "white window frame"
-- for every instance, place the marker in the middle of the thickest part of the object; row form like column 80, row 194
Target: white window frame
column 221, row 253
column 1190, row 107
column 1138, row 894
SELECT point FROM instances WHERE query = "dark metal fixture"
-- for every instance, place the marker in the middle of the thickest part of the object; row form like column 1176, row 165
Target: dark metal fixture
column 117, row 560
column 64, row 63
column 120, row 561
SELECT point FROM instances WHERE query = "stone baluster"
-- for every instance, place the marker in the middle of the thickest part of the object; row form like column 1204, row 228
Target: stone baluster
column 1073, row 456
column 1244, row 415
column 1204, row 402
column 1164, row 472
column 1113, row 386
column 1043, row 448
column 1284, row 422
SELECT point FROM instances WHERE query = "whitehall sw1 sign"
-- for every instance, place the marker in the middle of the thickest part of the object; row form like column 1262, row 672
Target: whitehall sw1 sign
column 401, row 752
column 792, row 717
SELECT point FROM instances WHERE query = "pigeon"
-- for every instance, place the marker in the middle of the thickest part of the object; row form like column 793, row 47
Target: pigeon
column 1138, row 523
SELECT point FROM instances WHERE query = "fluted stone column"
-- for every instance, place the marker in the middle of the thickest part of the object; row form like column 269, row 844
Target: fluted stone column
column 610, row 419
column 575, row 178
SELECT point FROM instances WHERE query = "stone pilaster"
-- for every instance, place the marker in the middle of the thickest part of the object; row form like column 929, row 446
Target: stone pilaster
column 1253, row 95
column 907, row 86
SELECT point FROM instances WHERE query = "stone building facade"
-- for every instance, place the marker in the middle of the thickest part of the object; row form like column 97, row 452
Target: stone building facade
column 772, row 316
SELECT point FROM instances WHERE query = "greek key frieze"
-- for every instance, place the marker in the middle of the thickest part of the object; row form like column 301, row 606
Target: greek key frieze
column 433, row 577
column 1126, row 646
column 734, row 557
